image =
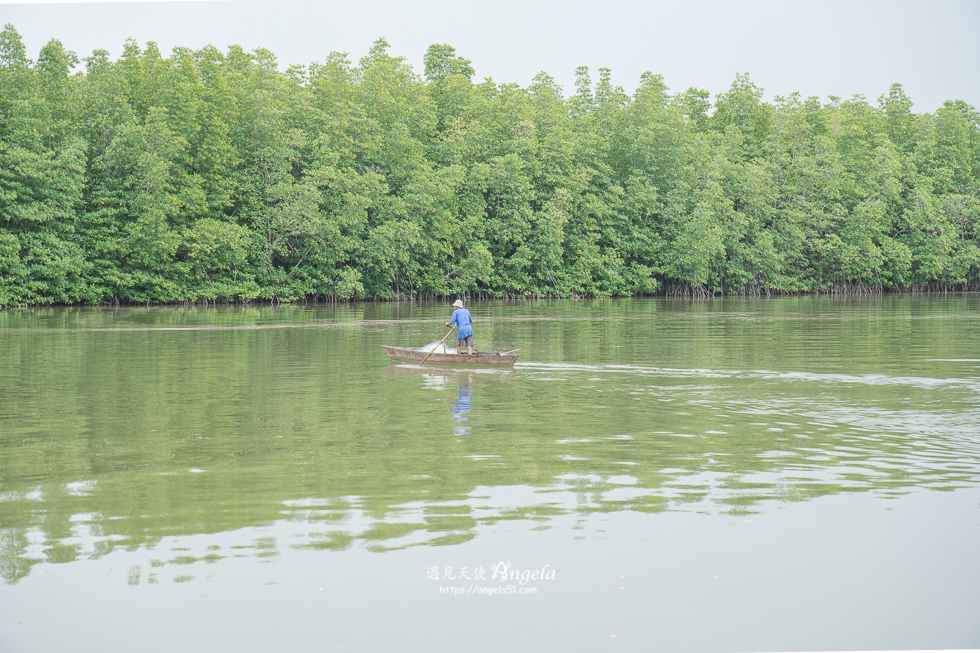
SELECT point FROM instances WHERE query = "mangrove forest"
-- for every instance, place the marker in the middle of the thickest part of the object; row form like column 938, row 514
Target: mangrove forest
column 210, row 176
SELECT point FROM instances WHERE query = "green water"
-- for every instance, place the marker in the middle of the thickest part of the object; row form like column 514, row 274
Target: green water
column 737, row 474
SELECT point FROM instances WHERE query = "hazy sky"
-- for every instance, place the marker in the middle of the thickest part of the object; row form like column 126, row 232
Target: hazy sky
column 819, row 47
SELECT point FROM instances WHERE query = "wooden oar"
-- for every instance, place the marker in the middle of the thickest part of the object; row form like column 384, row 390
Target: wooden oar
column 440, row 342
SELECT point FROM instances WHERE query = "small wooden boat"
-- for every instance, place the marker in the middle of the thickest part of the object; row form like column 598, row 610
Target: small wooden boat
column 477, row 358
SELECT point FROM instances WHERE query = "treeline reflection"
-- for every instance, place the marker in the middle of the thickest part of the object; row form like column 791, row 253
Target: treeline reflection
column 703, row 447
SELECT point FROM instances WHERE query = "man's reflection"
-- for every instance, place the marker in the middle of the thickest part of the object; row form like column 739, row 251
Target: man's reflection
column 463, row 404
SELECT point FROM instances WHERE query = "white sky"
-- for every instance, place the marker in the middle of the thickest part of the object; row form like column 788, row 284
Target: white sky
column 818, row 47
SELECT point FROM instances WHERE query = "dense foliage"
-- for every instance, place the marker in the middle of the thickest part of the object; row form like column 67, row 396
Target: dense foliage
column 210, row 176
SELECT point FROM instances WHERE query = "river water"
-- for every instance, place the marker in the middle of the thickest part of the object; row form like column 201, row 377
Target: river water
column 786, row 474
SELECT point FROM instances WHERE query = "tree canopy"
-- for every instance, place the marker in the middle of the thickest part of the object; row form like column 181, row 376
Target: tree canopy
column 217, row 176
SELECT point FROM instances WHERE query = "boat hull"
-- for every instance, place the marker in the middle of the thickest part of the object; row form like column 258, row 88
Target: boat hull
column 480, row 358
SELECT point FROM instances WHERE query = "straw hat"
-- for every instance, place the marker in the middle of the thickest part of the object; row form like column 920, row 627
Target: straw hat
column 458, row 302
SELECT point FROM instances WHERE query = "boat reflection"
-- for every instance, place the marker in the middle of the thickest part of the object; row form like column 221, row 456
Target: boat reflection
column 444, row 379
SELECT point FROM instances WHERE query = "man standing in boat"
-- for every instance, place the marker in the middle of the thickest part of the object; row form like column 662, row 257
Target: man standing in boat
column 462, row 319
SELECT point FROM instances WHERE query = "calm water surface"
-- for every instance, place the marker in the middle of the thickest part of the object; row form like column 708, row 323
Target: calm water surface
column 730, row 475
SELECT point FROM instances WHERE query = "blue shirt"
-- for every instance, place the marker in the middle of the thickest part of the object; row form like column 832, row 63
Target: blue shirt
column 462, row 318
